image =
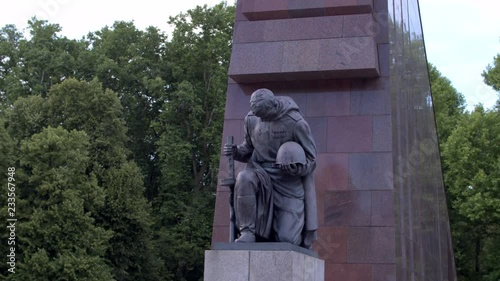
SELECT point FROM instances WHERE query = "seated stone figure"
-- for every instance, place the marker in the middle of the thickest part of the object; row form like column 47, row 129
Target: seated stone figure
column 275, row 201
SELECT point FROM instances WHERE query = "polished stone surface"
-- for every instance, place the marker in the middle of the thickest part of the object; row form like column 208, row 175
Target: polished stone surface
column 264, row 246
column 262, row 264
column 284, row 9
column 311, row 59
column 422, row 228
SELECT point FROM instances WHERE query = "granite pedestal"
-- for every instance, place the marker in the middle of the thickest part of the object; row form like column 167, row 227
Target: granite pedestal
column 262, row 262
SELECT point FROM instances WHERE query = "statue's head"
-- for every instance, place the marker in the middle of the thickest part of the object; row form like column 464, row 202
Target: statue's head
column 262, row 102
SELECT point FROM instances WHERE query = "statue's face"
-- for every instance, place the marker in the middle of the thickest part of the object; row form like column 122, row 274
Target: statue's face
column 258, row 105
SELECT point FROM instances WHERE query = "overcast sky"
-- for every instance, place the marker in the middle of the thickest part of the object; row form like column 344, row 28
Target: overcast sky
column 461, row 36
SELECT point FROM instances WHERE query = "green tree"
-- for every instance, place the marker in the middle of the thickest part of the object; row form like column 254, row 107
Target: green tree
column 131, row 63
column 85, row 106
column 9, row 56
column 199, row 57
column 492, row 74
column 448, row 103
column 27, row 118
column 190, row 127
column 127, row 214
column 41, row 61
column 59, row 239
column 472, row 165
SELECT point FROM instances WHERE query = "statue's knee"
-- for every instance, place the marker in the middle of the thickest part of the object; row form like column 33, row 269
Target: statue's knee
column 245, row 177
column 246, row 183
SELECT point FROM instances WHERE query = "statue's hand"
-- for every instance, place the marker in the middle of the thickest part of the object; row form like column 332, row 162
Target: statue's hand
column 229, row 149
column 309, row 237
column 294, row 169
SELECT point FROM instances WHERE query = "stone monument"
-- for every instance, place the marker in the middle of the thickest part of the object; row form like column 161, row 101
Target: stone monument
column 275, row 196
column 357, row 70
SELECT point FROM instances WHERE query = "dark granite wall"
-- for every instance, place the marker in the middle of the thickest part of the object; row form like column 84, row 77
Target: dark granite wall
column 424, row 249
column 382, row 211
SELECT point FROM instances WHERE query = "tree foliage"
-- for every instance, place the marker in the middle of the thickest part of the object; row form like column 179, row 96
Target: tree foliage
column 449, row 104
column 189, row 129
column 492, row 74
column 131, row 63
column 472, row 161
column 115, row 138
column 60, row 240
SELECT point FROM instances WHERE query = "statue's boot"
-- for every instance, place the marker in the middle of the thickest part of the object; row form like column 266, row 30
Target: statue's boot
column 246, row 211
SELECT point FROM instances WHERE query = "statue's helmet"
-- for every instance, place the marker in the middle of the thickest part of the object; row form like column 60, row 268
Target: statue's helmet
column 290, row 153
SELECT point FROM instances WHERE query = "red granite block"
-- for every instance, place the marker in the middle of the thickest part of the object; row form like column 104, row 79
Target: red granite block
column 221, row 215
column 299, row 98
column 239, row 11
column 329, row 104
column 382, row 133
column 233, row 127
column 304, row 75
column 222, row 170
column 304, row 59
column 332, row 171
column 247, row 6
column 384, row 272
column 237, row 103
column 309, row 8
column 348, row 272
column 314, row 28
column 320, row 194
column 370, row 102
column 370, row 171
column 275, row 30
column 301, row 56
column 383, row 59
column 331, row 245
column 349, row 134
column 249, row 31
column 359, row 25
column 302, row 13
column 256, row 58
column 368, row 84
column 318, row 129
column 280, row 9
column 382, row 208
column 348, row 208
column 263, row 9
column 288, row 29
column 312, row 87
column 371, row 245
column 380, row 5
column 366, row 2
column 266, row 5
column 356, row 53
column 382, row 28
column 347, row 7
column 220, row 234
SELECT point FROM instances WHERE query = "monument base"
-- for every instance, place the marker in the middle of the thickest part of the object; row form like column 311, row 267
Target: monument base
column 262, row 262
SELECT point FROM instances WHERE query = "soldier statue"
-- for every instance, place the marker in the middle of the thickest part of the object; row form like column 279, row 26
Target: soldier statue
column 274, row 196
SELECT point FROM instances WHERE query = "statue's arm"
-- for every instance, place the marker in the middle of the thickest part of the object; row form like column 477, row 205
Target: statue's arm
column 303, row 136
column 244, row 151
